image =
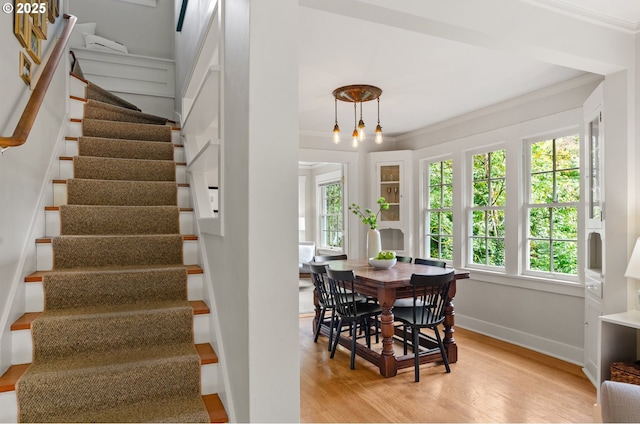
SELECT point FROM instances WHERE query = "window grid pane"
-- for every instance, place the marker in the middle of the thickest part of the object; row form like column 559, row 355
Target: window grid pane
column 554, row 193
column 438, row 214
column 487, row 211
column 331, row 226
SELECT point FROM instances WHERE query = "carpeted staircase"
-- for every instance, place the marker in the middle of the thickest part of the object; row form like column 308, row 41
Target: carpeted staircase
column 115, row 341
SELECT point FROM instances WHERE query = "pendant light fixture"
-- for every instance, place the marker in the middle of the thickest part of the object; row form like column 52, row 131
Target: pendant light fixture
column 358, row 93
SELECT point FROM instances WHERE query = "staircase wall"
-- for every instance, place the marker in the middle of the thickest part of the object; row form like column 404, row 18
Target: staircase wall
column 252, row 266
column 26, row 185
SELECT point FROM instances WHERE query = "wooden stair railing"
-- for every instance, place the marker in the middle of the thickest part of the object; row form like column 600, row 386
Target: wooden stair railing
column 23, row 128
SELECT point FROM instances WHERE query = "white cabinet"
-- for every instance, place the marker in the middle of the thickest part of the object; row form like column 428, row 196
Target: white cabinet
column 594, row 231
column 390, row 178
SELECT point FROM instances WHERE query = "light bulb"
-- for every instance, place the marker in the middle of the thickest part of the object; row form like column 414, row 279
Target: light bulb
column 354, row 142
column 361, row 134
column 336, row 133
column 378, row 139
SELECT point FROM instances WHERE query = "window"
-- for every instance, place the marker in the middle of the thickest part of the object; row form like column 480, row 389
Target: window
column 438, row 214
column 488, row 208
column 331, row 215
column 554, row 195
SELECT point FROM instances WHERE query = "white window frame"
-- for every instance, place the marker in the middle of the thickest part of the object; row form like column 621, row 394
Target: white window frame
column 468, row 237
column 526, row 205
column 426, row 205
column 322, row 180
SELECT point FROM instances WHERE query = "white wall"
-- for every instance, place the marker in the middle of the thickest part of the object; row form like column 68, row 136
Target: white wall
column 256, row 291
column 146, row 31
column 23, row 175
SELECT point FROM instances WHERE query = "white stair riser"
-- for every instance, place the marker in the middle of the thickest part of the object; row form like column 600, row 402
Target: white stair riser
column 71, row 149
column 60, row 195
column 77, row 88
column 44, row 255
column 74, row 129
column 52, row 223
column 22, row 343
column 76, row 108
column 8, row 407
column 209, row 379
column 34, row 293
column 9, row 402
column 66, row 171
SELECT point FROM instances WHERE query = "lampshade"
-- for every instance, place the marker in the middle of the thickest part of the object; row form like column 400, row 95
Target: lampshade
column 633, row 268
column 355, row 94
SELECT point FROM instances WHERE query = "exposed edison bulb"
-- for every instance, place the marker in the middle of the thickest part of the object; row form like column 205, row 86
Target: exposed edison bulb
column 361, row 134
column 354, row 141
column 336, row 134
column 378, row 138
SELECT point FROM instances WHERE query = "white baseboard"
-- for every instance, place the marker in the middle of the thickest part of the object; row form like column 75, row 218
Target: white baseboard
column 556, row 349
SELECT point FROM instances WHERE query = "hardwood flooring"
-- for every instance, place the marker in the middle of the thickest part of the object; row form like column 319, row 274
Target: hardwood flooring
column 492, row 381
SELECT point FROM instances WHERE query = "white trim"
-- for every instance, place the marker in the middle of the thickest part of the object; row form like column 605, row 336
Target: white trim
column 150, row 3
column 587, row 15
column 565, row 352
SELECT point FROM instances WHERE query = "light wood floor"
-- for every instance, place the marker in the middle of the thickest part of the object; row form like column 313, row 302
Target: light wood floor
column 492, row 381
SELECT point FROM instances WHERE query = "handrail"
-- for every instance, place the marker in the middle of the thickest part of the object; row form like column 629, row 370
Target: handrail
column 25, row 124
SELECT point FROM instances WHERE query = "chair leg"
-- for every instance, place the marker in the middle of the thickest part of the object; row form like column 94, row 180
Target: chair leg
column 331, row 325
column 367, row 331
column 404, row 339
column 315, row 338
column 443, row 352
column 337, row 337
column 353, row 344
column 416, row 352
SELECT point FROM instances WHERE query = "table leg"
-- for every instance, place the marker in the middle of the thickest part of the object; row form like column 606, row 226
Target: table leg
column 388, row 361
column 449, row 342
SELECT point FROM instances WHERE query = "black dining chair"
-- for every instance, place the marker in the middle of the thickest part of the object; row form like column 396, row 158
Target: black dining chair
column 430, row 294
column 405, row 259
column 432, row 262
column 325, row 299
column 349, row 310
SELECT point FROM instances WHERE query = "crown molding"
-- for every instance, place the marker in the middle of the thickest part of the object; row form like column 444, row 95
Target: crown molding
column 587, row 15
column 150, row 3
column 508, row 104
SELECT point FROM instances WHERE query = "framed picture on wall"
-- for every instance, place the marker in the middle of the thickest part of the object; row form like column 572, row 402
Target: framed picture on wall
column 21, row 26
column 51, row 11
column 25, row 68
column 34, row 47
column 39, row 16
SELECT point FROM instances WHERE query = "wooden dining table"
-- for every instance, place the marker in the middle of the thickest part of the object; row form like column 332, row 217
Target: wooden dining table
column 387, row 285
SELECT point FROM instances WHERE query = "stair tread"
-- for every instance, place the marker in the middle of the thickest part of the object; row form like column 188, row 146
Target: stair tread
column 10, row 377
column 185, row 237
column 36, row 277
column 57, row 208
column 214, row 406
column 25, row 321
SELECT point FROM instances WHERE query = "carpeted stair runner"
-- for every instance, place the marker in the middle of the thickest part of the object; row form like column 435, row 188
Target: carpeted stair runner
column 95, row 109
column 115, row 340
column 100, row 168
column 84, row 220
column 126, row 149
column 95, row 92
column 125, row 130
column 121, row 193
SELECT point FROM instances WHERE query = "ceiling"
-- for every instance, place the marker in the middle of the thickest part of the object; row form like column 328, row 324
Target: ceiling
column 424, row 79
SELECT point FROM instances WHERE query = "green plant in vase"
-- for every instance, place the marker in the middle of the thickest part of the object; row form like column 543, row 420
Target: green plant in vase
column 374, row 245
column 368, row 217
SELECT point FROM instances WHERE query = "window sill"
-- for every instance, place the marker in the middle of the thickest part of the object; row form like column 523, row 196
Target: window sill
column 567, row 288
